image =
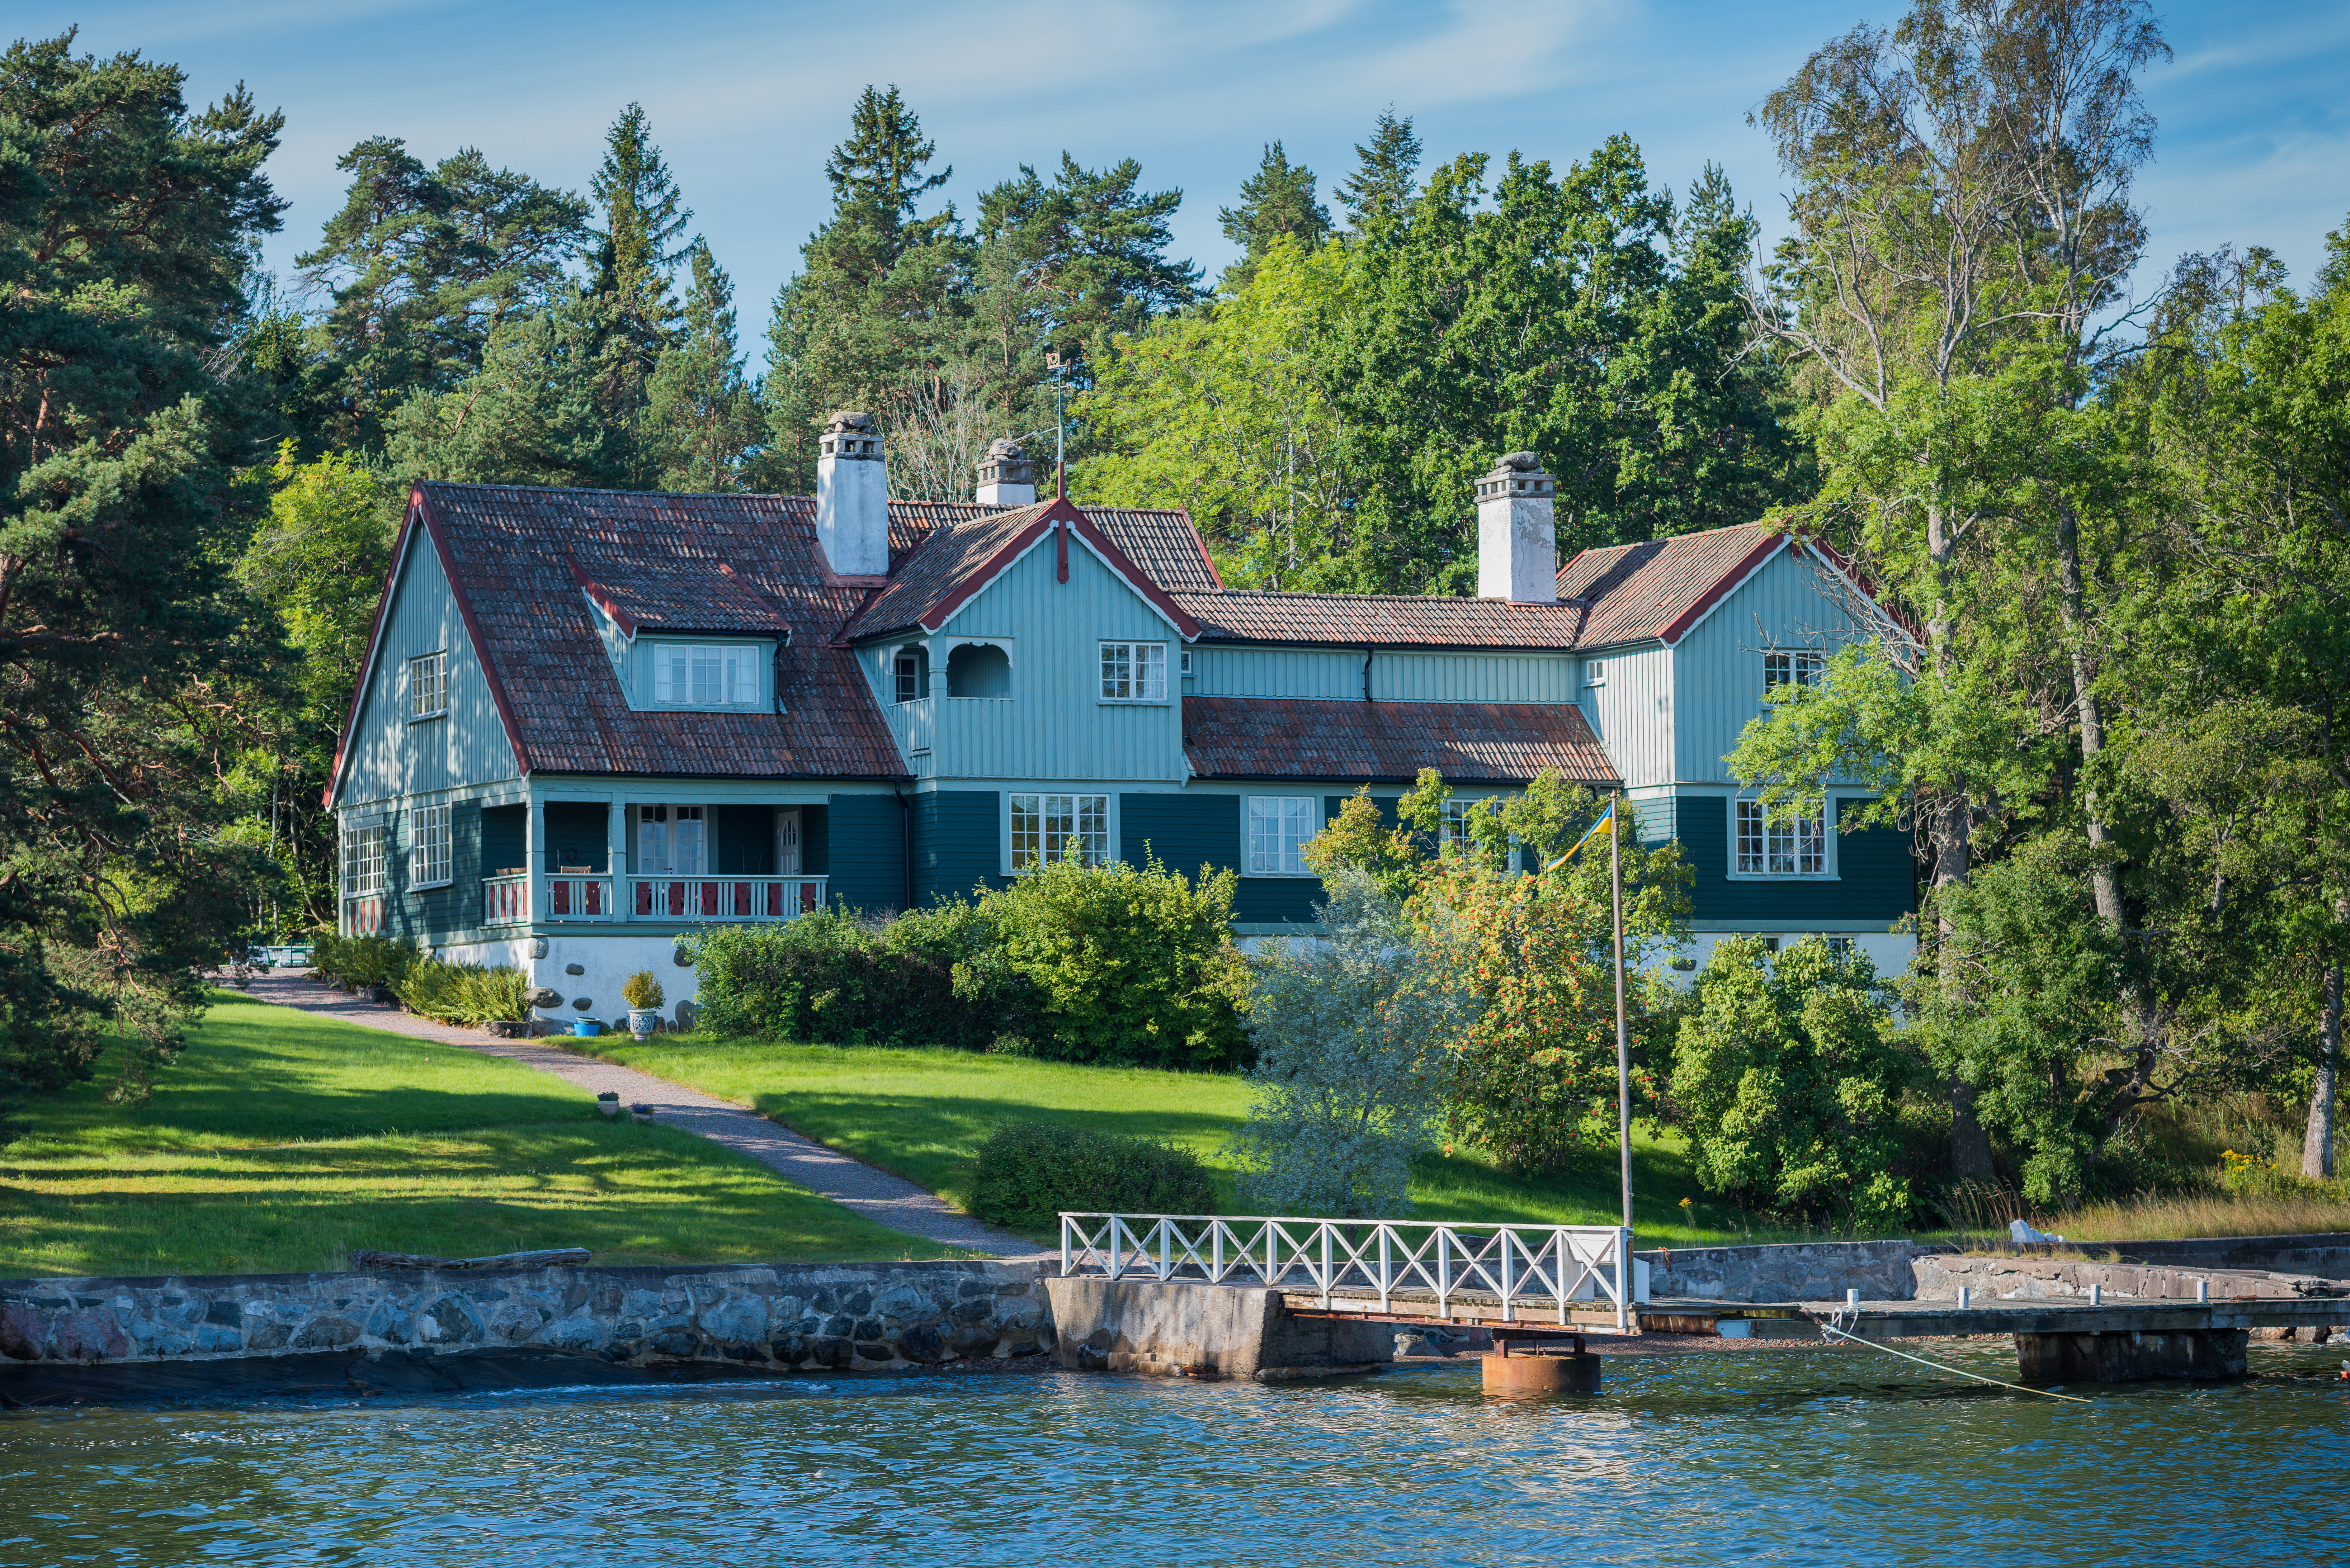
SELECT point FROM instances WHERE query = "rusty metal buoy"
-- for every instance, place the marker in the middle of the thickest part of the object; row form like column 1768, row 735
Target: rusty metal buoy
column 1537, row 1374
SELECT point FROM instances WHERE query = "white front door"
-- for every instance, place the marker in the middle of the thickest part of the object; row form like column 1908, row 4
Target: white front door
column 787, row 841
column 670, row 841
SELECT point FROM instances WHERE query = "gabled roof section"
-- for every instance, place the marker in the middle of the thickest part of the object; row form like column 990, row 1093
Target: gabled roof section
column 958, row 559
column 699, row 600
column 1660, row 590
column 1162, row 543
column 1380, row 620
column 1339, row 740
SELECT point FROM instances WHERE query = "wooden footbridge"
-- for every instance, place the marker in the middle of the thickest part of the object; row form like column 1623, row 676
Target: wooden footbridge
column 1540, row 1289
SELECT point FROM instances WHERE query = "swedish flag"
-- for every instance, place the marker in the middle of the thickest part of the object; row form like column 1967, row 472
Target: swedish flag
column 1607, row 820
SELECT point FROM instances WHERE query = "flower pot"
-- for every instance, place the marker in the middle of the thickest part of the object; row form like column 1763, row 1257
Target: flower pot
column 643, row 1112
column 643, row 1021
column 609, row 1105
column 585, row 1027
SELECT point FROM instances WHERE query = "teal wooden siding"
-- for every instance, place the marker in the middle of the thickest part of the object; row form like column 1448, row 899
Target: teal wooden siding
column 578, row 833
column 386, row 756
column 505, row 837
column 1718, row 667
column 1394, row 676
column 865, row 838
column 1184, row 831
column 816, row 840
column 956, row 842
column 745, row 841
column 436, row 915
column 1055, row 724
column 1875, row 884
column 1632, row 714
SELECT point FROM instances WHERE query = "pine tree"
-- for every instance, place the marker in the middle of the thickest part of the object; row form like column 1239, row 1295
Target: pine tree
column 643, row 215
column 701, row 411
column 1277, row 200
column 1382, row 187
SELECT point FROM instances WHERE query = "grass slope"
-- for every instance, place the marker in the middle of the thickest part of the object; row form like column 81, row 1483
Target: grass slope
column 280, row 1141
column 923, row 1114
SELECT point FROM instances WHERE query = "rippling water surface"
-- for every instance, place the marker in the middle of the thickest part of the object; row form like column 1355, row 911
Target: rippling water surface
column 1776, row 1455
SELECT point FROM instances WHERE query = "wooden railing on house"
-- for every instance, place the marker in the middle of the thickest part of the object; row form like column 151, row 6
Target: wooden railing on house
column 568, row 896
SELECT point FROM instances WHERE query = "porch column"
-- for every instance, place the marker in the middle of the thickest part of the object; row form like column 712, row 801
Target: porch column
column 616, row 853
column 535, row 854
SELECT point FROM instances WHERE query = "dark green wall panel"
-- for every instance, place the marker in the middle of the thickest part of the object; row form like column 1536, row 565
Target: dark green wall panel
column 865, row 851
column 956, row 842
column 1874, row 882
column 1184, row 831
column 578, row 833
column 745, row 841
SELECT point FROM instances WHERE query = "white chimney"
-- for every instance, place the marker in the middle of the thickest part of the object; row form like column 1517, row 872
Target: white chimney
column 852, row 497
column 1517, row 536
column 1006, row 478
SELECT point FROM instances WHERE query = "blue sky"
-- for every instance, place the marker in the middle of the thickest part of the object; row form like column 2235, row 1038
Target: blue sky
column 746, row 98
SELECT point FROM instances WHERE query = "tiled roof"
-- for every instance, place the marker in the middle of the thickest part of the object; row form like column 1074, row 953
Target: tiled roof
column 1344, row 741
column 510, row 550
column 1360, row 620
column 930, row 573
column 1657, row 589
column 688, row 601
column 1162, row 544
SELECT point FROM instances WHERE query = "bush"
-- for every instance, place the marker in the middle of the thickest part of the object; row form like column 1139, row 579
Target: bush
column 464, row 993
column 1028, row 1172
column 1788, row 1081
column 930, row 976
column 365, row 961
column 642, row 989
column 1349, row 1039
column 1129, row 966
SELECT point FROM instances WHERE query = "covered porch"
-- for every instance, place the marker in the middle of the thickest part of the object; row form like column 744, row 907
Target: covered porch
column 561, row 859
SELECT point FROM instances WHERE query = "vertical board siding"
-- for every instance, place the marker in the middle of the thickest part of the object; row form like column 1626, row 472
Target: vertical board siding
column 1633, row 716
column 1397, row 676
column 816, row 840
column 1718, row 669
column 865, row 846
column 1184, row 831
column 386, row 756
column 1874, row 882
column 1055, row 724
column 956, row 842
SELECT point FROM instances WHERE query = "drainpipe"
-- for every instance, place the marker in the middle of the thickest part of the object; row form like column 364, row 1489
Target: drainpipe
column 906, row 841
column 1367, row 672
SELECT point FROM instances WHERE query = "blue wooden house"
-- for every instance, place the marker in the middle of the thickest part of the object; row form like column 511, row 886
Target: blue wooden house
column 590, row 720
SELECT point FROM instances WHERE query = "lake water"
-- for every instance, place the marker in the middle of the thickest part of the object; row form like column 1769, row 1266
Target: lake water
column 1757, row 1455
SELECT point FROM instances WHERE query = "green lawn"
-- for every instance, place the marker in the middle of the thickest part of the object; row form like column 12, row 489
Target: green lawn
column 923, row 1113
column 279, row 1142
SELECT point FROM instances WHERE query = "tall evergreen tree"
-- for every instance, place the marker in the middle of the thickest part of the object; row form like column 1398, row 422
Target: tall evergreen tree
column 1385, row 181
column 1276, row 201
column 643, row 214
column 701, row 410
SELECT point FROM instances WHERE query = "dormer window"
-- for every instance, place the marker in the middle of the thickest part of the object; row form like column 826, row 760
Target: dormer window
column 688, row 676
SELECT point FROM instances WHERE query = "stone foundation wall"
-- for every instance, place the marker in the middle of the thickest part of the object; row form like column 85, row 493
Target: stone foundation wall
column 2009, row 1277
column 846, row 1315
column 1796, row 1272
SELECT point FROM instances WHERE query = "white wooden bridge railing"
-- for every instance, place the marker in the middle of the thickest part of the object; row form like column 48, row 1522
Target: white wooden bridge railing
column 1406, row 1265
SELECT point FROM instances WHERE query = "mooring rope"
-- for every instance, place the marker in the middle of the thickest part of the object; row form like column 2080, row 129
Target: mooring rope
column 1954, row 1371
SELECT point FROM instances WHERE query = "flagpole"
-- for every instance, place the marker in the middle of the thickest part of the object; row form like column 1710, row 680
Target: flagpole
column 1623, row 1034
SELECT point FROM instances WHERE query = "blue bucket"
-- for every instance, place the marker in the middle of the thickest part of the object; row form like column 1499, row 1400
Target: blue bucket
column 580, row 1026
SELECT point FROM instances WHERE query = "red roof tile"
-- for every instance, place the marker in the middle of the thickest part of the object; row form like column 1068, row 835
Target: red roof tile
column 1658, row 589
column 1386, row 620
column 1343, row 742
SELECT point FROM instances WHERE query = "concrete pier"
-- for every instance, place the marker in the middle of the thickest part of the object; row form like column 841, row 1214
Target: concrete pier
column 1178, row 1329
column 2187, row 1355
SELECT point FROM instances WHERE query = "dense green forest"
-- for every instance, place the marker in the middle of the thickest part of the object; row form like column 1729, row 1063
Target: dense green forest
column 2109, row 494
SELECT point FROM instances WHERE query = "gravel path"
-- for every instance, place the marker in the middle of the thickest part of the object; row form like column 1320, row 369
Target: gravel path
column 885, row 1199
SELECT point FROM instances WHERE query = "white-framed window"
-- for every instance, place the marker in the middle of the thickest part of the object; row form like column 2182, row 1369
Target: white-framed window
column 1841, row 946
column 428, row 846
column 1792, row 666
column 363, row 860
column 1187, row 661
column 1278, row 829
column 671, row 841
column 1049, row 827
column 1595, row 673
column 687, row 675
column 428, row 685
column 1793, row 847
column 1134, row 672
column 1456, row 826
column 911, row 669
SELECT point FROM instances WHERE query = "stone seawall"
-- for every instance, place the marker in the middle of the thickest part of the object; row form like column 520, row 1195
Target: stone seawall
column 825, row 1315
column 1791, row 1272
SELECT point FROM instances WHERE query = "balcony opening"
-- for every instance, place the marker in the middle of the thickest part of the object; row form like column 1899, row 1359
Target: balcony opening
column 979, row 670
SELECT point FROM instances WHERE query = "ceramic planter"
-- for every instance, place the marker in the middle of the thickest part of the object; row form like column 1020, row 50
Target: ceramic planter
column 643, row 1021
column 608, row 1103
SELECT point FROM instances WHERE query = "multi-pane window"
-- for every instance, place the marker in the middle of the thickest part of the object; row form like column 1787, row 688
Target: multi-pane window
column 1595, row 673
column 428, row 846
column 705, row 677
column 363, row 861
column 1278, row 829
column 1793, row 846
column 1049, row 827
column 1456, row 826
column 1134, row 672
column 671, row 841
column 428, row 685
column 1795, row 668
column 911, row 666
